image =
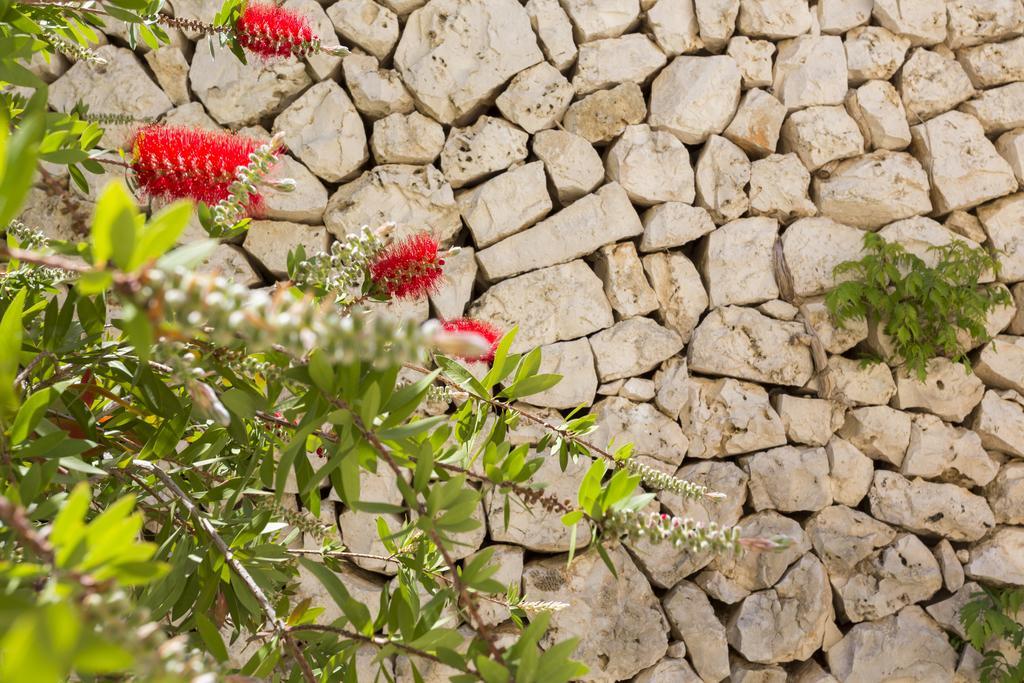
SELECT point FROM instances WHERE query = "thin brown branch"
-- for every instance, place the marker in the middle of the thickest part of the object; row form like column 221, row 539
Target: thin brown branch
column 229, row 557
column 379, row 641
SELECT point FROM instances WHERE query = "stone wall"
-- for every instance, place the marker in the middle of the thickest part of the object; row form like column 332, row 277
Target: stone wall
column 627, row 177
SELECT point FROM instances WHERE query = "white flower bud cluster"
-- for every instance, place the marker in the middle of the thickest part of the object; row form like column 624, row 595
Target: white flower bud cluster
column 227, row 314
column 658, row 528
column 341, row 270
column 25, row 237
column 230, row 210
column 657, row 480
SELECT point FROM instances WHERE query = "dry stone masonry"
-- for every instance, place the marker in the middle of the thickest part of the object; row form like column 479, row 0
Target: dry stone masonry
column 656, row 193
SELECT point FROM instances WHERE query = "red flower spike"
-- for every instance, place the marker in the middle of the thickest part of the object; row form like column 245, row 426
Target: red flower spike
column 271, row 31
column 490, row 334
column 176, row 162
column 408, row 269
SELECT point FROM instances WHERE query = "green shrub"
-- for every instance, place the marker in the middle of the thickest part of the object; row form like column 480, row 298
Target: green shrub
column 921, row 308
column 993, row 614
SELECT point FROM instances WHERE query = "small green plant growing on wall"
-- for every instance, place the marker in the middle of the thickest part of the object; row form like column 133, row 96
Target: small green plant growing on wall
column 994, row 614
column 922, row 307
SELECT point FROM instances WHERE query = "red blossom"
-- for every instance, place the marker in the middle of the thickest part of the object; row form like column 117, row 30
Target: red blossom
column 176, row 162
column 490, row 334
column 408, row 269
column 271, row 31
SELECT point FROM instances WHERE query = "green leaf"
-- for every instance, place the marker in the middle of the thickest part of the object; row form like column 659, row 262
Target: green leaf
column 161, row 233
column 321, row 372
column 31, row 412
column 187, row 256
column 18, row 156
column 10, row 351
column 211, row 638
column 114, row 227
column 531, row 385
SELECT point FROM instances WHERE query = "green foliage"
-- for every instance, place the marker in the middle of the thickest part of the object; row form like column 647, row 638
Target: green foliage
column 921, row 307
column 995, row 615
column 168, row 441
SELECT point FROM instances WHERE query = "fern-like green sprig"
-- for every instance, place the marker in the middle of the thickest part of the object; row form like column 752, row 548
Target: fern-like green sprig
column 921, row 307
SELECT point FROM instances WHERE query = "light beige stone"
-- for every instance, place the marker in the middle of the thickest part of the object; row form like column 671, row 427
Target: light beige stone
column 229, row 262
column 774, row 19
column 695, row 97
column 632, row 347
column 923, row 22
column 693, row 619
column 450, row 299
column 850, row 470
column 536, row 98
column 889, row 579
column 1011, row 147
column 836, row 17
column 721, row 177
column 622, row 273
column 506, row 204
column 874, row 189
column 967, row 225
column 736, row 262
column 726, row 417
column 307, row 203
column 323, row 65
column 574, row 361
column 680, row 293
column 673, row 24
column 638, row 389
column 488, row 146
column 554, row 32
column 1000, row 364
column 596, row 20
column 652, row 166
column 601, row 218
column 949, row 390
column 904, row 646
column 754, row 59
column 270, row 242
column 602, row 63
column 810, row 70
column 406, row 139
column 758, row 121
column 603, row 115
column 621, row 421
column 813, row 247
column 929, row 509
column 874, row 53
column 668, row 670
column 1001, row 220
column 999, row 421
column 972, row 22
column 998, row 109
column 779, row 188
column 819, row 135
column 552, row 304
column 538, row 529
column 366, row 24
column 834, row 338
column 119, row 85
column 809, row 421
column 879, row 432
column 939, row 451
column 574, row 167
column 619, row 621
column 323, row 129
column 673, row 224
column 778, row 309
column 992, row 64
column 171, row 71
column 878, row 110
column 789, row 479
column 237, row 94
column 413, row 197
column 672, row 386
column 452, row 60
column 843, row 538
column 787, row 622
column 999, row 559
column 734, row 342
column 1005, row 493
column 375, row 92
column 716, row 20
column 931, row 83
column 952, row 570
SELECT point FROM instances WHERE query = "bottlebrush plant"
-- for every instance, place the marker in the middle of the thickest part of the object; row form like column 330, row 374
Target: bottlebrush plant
column 169, row 439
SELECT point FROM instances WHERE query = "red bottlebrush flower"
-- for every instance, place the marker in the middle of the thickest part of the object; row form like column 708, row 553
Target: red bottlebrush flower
column 485, row 334
column 175, row 162
column 271, row 31
column 408, row 269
